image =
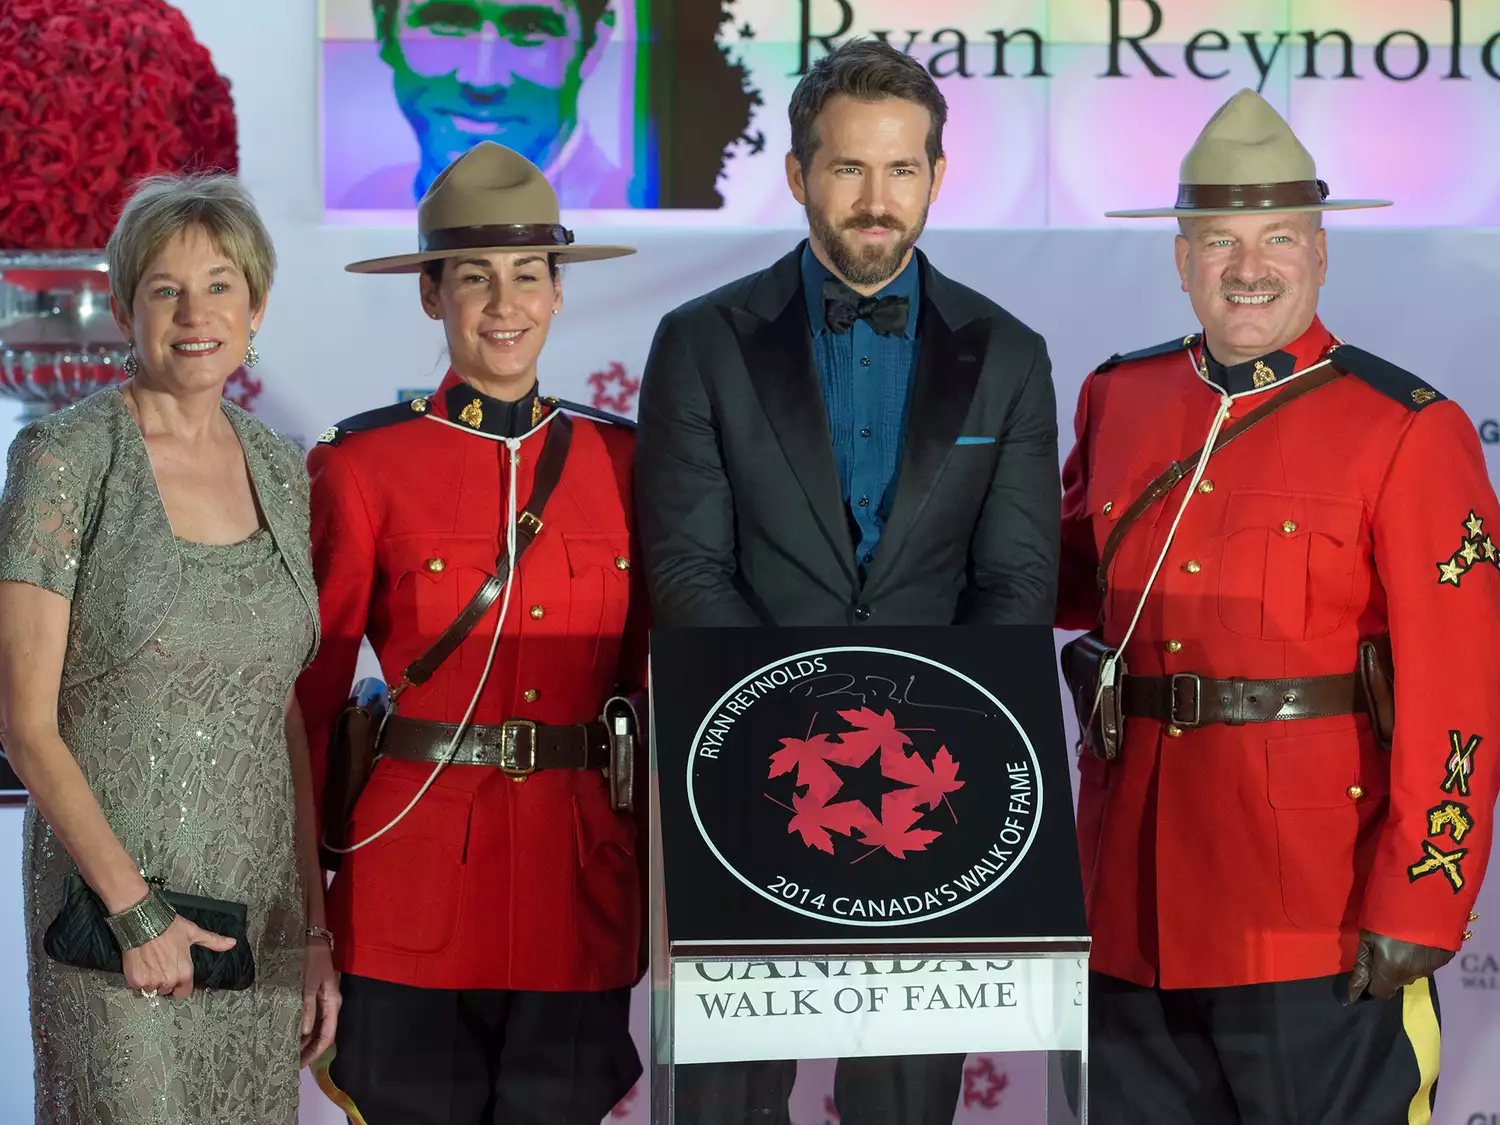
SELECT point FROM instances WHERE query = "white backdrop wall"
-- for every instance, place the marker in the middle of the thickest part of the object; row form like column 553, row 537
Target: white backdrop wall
column 335, row 344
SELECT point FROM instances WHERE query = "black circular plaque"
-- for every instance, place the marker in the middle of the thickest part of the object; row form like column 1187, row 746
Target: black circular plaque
column 864, row 786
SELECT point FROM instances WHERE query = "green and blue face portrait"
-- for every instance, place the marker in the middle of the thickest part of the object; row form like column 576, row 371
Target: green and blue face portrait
column 502, row 70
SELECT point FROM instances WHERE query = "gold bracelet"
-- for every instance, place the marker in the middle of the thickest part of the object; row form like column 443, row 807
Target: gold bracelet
column 320, row 932
column 144, row 922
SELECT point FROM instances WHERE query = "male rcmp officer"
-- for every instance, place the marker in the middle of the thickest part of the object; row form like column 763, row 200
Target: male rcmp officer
column 1250, row 841
column 846, row 437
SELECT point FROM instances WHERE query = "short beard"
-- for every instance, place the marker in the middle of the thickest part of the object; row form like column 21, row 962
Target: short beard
column 867, row 265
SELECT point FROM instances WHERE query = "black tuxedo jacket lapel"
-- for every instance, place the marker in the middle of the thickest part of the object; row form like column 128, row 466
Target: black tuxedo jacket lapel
column 948, row 365
column 777, row 346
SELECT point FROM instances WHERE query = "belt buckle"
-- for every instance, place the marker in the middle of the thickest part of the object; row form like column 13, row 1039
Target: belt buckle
column 510, row 758
column 1172, row 716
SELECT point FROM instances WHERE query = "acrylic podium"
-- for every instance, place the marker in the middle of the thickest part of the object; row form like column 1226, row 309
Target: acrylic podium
column 862, row 846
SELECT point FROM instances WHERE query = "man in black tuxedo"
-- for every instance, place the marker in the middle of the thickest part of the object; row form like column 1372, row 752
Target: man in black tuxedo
column 849, row 437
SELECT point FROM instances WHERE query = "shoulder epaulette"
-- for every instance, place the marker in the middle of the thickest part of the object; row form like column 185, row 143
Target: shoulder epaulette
column 588, row 412
column 1180, row 344
column 376, row 419
column 1385, row 377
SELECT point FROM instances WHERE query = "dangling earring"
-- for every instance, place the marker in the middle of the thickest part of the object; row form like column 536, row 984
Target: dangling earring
column 252, row 357
column 131, row 365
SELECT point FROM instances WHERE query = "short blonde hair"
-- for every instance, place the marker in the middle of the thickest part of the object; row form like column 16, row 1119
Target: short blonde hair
column 1185, row 222
column 163, row 207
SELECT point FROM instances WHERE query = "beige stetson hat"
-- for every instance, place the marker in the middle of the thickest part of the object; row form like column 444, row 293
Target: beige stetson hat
column 491, row 200
column 1248, row 159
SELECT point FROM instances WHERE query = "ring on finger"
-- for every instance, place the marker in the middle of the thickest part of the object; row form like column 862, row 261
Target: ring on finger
column 149, row 993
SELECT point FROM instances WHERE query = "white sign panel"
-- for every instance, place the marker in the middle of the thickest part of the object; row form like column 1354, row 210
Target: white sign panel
column 733, row 1011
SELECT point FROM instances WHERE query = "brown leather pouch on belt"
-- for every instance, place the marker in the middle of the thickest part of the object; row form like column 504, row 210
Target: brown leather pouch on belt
column 352, row 750
column 626, row 738
column 1100, row 732
column 1377, row 675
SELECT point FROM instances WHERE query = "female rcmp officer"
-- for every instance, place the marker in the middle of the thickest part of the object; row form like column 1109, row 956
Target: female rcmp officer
column 487, row 906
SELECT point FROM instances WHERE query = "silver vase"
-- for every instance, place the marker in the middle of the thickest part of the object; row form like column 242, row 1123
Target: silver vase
column 58, row 341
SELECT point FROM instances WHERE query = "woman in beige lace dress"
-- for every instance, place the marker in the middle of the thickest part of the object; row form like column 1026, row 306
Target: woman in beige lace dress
column 156, row 605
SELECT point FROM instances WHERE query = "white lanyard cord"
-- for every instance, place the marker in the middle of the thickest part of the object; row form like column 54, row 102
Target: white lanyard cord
column 1108, row 670
column 513, row 460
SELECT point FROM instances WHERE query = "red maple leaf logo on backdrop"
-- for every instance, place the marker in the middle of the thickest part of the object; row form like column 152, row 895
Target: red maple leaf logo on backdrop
column 897, row 830
column 614, row 390
column 243, row 388
column 622, row 1107
column 984, row 1082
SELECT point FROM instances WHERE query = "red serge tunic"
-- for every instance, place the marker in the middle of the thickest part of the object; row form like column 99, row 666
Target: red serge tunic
column 487, row 882
column 1234, row 855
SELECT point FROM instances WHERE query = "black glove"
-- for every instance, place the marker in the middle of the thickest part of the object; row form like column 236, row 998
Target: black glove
column 1386, row 964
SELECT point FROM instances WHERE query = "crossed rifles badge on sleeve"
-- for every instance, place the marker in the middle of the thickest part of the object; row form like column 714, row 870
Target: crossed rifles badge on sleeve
column 1449, row 817
column 1475, row 549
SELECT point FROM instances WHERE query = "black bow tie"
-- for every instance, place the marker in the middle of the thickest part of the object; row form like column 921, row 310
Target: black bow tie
column 842, row 307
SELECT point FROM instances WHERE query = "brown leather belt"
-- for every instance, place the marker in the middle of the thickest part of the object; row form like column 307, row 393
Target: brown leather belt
column 1188, row 700
column 516, row 747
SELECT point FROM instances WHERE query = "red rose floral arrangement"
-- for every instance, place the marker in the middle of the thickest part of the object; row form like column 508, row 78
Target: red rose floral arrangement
column 95, row 95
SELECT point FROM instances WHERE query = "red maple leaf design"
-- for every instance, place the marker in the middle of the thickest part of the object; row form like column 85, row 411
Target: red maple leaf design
column 814, row 820
column 243, row 388
column 614, row 389
column 872, row 732
column 894, row 831
column 984, row 1082
column 809, row 757
column 930, row 784
column 815, row 815
column 622, row 1107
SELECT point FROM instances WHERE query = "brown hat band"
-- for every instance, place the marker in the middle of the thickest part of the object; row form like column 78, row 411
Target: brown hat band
column 1250, row 197
column 504, row 234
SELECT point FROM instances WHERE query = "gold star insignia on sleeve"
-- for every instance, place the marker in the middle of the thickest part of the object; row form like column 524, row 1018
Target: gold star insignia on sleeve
column 1475, row 547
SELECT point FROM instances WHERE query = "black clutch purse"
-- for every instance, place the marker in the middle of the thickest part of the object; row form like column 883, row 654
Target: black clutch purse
column 79, row 936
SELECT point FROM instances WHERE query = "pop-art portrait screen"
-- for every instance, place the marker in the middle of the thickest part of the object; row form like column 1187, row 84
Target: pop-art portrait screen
column 588, row 90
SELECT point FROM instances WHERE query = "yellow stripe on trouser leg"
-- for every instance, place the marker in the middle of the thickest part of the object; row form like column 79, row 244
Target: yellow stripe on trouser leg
column 333, row 1093
column 1419, row 1019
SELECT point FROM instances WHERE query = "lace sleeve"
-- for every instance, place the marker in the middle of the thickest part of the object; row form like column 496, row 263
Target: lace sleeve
column 42, row 512
column 296, row 470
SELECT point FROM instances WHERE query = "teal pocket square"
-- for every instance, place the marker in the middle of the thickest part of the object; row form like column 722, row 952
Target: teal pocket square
column 975, row 441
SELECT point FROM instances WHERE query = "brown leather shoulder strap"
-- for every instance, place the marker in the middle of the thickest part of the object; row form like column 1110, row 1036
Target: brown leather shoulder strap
column 549, row 470
column 1177, row 470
